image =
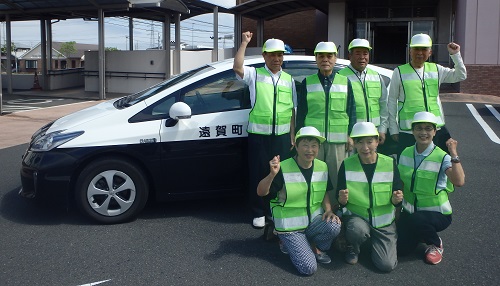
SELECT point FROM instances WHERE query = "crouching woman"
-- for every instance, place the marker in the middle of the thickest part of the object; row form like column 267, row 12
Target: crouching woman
column 369, row 189
column 300, row 204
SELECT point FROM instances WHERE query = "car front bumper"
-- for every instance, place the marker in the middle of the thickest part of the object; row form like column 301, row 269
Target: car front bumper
column 46, row 173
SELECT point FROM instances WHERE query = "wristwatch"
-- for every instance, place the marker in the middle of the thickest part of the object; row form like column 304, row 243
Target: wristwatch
column 455, row 159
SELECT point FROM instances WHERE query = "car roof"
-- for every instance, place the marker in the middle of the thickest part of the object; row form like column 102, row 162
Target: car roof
column 258, row 59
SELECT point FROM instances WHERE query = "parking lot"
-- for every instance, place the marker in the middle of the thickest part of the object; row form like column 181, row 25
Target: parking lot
column 210, row 242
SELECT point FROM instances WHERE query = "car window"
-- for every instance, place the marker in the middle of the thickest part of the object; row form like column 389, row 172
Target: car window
column 387, row 80
column 158, row 110
column 132, row 99
column 221, row 92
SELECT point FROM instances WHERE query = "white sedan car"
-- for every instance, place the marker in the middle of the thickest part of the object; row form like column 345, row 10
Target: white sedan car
column 181, row 139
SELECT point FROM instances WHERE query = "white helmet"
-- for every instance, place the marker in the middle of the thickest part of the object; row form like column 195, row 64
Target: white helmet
column 364, row 129
column 325, row 47
column 309, row 131
column 424, row 116
column 359, row 43
column 273, row 45
column 421, row 41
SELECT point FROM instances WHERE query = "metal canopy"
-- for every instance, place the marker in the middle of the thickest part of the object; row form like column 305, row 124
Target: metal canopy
column 270, row 9
column 24, row 10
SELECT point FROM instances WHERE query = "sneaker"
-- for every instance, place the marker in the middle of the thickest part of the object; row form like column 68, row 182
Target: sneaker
column 434, row 254
column 259, row 222
column 351, row 257
column 322, row 257
column 283, row 248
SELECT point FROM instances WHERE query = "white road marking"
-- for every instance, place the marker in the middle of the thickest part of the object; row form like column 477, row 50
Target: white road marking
column 95, row 283
column 483, row 124
column 493, row 111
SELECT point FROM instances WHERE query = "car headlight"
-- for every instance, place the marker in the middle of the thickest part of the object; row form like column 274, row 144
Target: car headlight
column 51, row 140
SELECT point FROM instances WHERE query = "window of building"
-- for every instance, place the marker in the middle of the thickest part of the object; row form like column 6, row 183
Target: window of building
column 31, row 64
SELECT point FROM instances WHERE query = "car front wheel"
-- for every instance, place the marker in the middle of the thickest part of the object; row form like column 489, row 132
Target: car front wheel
column 111, row 190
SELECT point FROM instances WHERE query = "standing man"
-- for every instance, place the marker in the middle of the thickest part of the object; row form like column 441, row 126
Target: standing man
column 271, row 123
column 415, row 87
column 326, row 102
column 370, row 92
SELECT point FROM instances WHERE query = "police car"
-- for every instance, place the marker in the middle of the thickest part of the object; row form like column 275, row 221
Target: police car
column 181, row 139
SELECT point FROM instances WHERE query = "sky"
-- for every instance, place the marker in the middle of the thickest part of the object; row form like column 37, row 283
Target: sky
column 147, row 34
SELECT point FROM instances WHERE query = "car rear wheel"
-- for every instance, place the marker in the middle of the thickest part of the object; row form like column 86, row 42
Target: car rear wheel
column 111, row 190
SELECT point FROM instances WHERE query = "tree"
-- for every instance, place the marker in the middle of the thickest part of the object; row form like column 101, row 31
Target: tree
column 68, row 48
column 12, row 48
column 110, row 49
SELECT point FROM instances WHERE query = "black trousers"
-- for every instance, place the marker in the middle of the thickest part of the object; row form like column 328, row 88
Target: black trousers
column 406, row 140
column 261, row 149
column 421, row 226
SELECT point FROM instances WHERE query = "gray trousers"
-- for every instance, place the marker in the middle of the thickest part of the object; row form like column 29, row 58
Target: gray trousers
column 383, row 241
column 332, row 154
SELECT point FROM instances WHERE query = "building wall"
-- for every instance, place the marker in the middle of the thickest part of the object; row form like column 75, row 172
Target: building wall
column 478, row 33
column 300, row 30
column 133, row 71
column 482, row 79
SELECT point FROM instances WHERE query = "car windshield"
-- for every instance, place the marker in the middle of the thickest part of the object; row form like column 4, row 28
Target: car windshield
column 132, row 99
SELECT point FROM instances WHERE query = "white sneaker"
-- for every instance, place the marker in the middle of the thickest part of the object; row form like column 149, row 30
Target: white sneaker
column 259, row 222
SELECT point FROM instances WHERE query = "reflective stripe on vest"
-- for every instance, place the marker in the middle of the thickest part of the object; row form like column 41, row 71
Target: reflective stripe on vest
column 418, row 98
column 420, row 185
column 332, row 121
column 371, row 201
column 303, row 202
column 367, row 97
column 269, row 107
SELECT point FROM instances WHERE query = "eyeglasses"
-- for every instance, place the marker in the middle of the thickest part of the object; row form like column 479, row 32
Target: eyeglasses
column 426, row 128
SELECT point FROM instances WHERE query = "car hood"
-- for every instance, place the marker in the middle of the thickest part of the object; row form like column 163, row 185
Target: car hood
column 80, row 117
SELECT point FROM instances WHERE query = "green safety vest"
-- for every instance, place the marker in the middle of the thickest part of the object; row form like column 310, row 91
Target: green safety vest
column 366, row 98
column 420, row 191
column 273, row 104
column 417, row 97
column 303, row 201
column 328, row 113
column 371, row 201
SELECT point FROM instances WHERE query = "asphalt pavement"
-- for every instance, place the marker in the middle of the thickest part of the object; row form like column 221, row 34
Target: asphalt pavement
column 210, row 242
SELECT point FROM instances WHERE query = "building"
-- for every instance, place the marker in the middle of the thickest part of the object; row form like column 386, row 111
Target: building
column 388, row 25
column 31, row 60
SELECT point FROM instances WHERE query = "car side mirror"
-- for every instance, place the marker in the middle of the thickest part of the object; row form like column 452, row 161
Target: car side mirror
column 178, row 110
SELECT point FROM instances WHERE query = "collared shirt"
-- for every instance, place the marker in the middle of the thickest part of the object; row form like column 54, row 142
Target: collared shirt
column 327, row 84
column 250, row 75
column 419, row 157
column 384, row 113
column 396, row 92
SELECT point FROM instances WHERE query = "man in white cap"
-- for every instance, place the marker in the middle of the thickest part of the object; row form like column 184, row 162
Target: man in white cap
column 326, row 102
column 415, row 87
column 271, row 123
column 297, row 191
column 370, row 91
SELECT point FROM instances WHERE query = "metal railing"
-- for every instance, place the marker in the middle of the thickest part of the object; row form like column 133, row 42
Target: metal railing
column 144, row 75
